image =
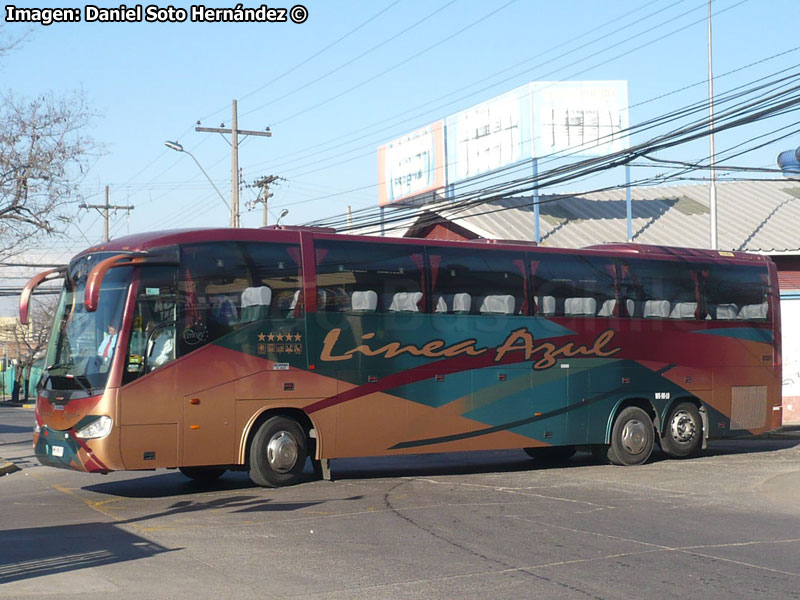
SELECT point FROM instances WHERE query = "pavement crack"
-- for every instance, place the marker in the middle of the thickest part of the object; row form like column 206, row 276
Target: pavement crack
column 506, row 567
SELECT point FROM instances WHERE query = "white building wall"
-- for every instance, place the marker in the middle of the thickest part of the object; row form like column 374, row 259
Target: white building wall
column 790, row 333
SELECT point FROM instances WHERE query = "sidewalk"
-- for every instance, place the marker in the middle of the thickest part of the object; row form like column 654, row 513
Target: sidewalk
column 7, row 467
column 20, row 404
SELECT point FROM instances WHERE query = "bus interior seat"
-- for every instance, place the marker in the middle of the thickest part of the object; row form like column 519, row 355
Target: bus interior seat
column 546, row 305
column 296, row 306
column 726, row 312
column 580, row 307
column 443, row 303
column 607, row 308
column 405, row 302
column 255, row 303
column 500, row 304
column 364, row 301
column 462, row 303
column 683, row 310
column 656, row 309
column 753, row 311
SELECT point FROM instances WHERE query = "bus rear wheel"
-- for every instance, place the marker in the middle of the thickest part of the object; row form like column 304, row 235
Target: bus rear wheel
column 683, row 432
column 278, row 452
column 551, row 454
column 632, row 437
column 203, row 473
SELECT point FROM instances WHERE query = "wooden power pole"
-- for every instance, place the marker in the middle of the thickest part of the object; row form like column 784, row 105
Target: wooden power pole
column 104, row 209
column 234, row 132
column 264, row 195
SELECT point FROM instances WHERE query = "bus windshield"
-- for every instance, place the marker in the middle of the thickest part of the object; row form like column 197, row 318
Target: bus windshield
column 83, row 343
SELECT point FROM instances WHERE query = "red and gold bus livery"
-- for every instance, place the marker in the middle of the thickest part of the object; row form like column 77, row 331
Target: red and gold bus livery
column 218, row 349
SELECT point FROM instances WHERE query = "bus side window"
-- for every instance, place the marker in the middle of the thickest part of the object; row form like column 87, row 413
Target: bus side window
column 152, row 340
column 736, row 292
column 361, row 277
column 574, row 286
column 664, row 289
column 479, row 282
column 227, row 285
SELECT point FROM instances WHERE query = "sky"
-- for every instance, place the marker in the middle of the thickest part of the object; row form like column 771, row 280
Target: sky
column 356, row 75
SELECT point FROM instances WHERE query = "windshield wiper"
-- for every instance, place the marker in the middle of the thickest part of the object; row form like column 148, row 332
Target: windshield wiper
column 58, row 366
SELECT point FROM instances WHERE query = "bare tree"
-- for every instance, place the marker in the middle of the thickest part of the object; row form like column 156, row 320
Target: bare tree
column 44, row 155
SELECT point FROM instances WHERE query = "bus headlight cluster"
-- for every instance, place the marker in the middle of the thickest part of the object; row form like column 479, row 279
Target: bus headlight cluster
column 99, row 428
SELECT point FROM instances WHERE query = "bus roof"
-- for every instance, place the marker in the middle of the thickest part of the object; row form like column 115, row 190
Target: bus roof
column 142, row 242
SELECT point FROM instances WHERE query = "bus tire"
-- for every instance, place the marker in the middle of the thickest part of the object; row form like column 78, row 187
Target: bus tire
column 551, row 454
column 683, row 431
column 600, row 453
column 278, row 452
column 203, row 473
column 632, row 437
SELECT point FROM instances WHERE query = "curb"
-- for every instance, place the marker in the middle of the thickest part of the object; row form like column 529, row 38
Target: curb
column 7, row 467
column 17, row 404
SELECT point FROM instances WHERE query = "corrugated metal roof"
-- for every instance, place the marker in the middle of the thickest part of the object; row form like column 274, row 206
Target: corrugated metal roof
column 756, row 216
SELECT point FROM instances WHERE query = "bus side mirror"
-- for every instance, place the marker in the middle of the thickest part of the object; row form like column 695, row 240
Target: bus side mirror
column 168, row 256
column 27, row 291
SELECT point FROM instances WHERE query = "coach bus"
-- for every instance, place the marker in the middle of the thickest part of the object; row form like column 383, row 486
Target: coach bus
column 255, row 349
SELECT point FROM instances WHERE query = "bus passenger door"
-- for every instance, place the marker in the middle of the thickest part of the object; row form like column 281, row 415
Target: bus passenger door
column 209, row 432
column 148, row 416
column 149, row 411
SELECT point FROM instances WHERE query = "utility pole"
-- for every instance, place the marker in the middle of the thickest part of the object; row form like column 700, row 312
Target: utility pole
column 712, row 189
column 103, row 209
column 264, row 195
column 234, row 132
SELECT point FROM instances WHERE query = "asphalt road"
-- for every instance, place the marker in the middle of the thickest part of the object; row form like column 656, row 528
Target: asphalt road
column 476, row 525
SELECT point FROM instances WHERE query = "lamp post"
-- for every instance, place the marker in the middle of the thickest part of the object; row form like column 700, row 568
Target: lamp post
column 284, row 212
column 178, row 148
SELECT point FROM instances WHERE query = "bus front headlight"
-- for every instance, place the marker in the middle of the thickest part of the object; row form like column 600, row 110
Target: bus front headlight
column 99, row 428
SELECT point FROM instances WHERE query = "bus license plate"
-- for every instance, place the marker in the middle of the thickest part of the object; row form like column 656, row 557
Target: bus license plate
column 57, row 450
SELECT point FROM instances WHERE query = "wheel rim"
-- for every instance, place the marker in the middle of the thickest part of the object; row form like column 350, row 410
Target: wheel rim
column 282, row 452
column 634, row 436
column 682, row 427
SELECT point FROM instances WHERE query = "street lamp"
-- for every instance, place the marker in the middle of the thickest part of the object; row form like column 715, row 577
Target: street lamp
column 178, row 148
column 284, row 212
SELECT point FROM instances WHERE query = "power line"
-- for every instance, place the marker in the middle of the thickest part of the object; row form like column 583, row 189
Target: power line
column 769, row 106
column 485, row 87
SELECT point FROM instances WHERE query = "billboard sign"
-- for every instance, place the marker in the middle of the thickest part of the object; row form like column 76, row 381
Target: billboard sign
column 411, row 165
column 585, row 118
column 489, row 136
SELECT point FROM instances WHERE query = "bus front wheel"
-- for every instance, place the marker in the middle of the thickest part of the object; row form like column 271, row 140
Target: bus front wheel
column 632, row 437
column 684, row 431
column 278, row 452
